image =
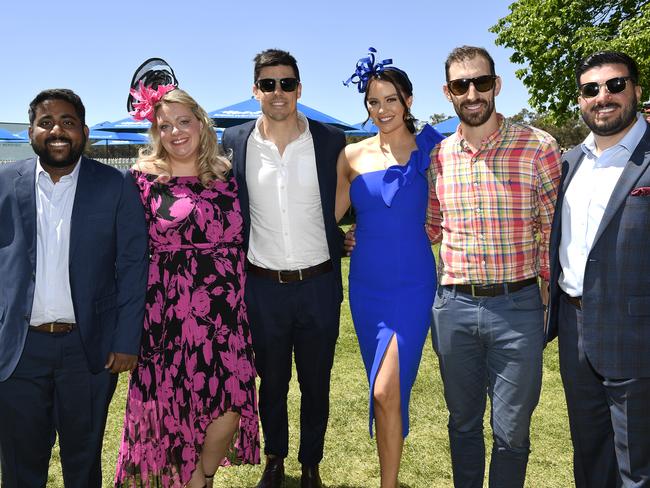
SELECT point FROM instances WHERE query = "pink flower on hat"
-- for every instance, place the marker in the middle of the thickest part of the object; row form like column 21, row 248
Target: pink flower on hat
column 147, row 98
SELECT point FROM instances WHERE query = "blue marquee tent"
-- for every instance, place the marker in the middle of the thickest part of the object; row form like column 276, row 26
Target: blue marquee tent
column 250, row 110
column 6, row 136
column 448, row 126
column 127, row 124
column 362, row 129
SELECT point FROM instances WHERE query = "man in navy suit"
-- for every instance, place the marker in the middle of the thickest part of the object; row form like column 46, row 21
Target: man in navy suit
column 600, row 278
column 285, row 165
column 73, row 260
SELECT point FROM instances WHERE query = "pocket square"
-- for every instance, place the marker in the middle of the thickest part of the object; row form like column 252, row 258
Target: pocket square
column 642, row 191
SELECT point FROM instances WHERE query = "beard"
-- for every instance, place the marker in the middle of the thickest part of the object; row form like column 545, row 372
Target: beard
column 614, row 125
column 53, row 160
column 475, row 119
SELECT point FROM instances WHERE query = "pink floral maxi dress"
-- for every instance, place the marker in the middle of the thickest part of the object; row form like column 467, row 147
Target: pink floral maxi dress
column 196, row 358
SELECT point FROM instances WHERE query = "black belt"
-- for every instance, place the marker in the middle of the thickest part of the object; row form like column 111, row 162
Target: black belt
column 53, row 328
column 289, row 276
column 575, row 301
column 494, row 289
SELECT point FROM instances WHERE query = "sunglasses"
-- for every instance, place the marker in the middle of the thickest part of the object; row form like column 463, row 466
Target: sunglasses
column 481, row 83
column 614, row 85
column 267, row 85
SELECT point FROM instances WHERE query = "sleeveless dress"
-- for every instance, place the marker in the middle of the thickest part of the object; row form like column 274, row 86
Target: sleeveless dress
column 196, row 357
column 392, row 269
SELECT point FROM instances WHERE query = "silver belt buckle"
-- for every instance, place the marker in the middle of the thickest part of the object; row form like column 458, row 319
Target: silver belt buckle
column 473, row 288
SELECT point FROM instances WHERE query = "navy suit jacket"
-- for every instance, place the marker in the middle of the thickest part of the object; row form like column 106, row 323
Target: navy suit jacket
column 328, row 143
column 108, row 261
column 616, row 294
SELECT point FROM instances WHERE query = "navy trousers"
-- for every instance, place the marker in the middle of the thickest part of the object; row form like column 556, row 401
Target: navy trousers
column 609, row 417
column 52, row 392
column 300, row 319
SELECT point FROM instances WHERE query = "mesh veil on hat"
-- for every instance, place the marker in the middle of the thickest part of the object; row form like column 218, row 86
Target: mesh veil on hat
column 153, row 73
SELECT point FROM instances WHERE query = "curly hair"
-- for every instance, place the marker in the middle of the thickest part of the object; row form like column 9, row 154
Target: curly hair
column 212, row 163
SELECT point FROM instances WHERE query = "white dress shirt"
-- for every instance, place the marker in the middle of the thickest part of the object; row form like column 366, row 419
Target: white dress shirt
column 287, row 227
column 585, row 201
column 54, row 201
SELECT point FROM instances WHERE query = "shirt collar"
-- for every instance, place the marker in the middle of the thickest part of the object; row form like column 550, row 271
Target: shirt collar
column 305, row 134
column 73, row 176
column 629, row 142
column 490, row 140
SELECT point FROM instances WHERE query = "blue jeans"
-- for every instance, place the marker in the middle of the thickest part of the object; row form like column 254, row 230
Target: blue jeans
column 493, row 346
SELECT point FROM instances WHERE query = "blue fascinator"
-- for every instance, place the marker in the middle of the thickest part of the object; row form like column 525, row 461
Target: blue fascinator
column 367, row 68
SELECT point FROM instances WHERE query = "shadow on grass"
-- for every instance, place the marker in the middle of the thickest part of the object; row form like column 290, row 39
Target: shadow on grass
column 294, row 482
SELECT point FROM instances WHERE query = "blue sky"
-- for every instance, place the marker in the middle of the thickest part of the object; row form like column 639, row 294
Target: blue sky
column 93, row 47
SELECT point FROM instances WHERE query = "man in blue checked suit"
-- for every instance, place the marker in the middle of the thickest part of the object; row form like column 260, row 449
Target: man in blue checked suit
column 73, row 261
column 600, row 279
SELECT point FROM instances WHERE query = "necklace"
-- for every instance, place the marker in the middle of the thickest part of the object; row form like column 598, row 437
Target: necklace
column 389, row 159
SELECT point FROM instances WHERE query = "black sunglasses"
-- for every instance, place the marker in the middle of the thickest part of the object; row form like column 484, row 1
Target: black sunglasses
column 614, row 85
column 481, row 83
column 268, row 84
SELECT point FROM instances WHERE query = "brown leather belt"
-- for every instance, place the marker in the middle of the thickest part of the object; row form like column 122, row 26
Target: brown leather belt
column 290, row 276
column 53, row 327
column 494, row 289
column 575, row 301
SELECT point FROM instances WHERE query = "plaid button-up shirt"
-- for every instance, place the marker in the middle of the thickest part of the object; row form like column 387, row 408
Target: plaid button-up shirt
column 492, row 209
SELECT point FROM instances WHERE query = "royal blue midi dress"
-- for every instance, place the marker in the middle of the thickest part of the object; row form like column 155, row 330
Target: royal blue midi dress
column 392, row 270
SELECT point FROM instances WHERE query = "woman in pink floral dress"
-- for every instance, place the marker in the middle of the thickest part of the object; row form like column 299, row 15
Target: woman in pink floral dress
column 193, row 391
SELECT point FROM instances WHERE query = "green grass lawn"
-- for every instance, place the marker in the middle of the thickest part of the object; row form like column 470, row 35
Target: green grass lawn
column 350, row 456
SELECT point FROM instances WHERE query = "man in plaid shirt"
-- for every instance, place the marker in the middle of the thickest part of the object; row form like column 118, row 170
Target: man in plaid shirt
column 493, row 186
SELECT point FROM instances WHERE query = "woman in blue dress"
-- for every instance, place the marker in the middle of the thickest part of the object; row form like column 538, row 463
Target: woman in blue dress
column 392, row 271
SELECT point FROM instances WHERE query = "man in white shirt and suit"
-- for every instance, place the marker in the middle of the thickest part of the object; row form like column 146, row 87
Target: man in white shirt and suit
column 285, row 165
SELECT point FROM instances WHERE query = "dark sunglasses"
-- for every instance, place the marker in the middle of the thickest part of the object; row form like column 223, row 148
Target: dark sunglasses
column 267, row 85
column 614, row 85
column 481, row 83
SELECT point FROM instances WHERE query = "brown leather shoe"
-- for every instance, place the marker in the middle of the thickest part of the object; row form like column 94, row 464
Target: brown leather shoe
column 273, row 476
column 310, row 477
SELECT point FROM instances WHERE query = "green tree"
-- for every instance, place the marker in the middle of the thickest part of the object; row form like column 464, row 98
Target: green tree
column 437, row 118
column 568, row 133
column 549, row 37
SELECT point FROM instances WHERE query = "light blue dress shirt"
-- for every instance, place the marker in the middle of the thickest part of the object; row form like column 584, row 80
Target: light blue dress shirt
column 54, row 202
column 585, row 201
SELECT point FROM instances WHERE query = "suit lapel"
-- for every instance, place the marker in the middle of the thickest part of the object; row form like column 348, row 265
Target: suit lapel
column 634, row 168
column 573, row 161
column 83, row 202
column 239, row 158
column 25, row 186
column 321, row 165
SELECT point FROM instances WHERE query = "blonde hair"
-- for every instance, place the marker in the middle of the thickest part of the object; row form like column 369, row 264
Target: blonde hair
column 211, row 162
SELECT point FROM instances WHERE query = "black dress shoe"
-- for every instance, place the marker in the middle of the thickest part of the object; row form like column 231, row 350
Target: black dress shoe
column 273, row 476
column 310, row 477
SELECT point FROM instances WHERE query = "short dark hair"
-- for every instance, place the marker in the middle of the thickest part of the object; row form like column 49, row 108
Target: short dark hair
column 601, row 58
column 274, row 57
column 400, row 80
column 58, row 94
column 464, row 53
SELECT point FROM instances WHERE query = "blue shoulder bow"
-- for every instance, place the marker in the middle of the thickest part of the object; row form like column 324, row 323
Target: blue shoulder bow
column 399, row 176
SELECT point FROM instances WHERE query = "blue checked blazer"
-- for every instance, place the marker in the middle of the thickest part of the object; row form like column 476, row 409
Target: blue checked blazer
column 616, row 295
